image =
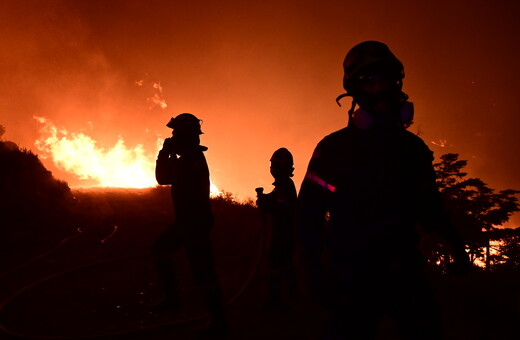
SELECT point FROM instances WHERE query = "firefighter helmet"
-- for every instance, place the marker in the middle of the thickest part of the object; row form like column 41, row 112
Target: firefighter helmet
column 282, row 156
column 370, row 53
column 185, row 122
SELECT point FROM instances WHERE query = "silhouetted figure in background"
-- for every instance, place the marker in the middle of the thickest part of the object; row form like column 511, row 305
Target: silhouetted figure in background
column 366, row 189
column 181, row 163
column 280, row 205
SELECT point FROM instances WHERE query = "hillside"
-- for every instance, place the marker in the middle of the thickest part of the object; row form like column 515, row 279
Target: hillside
column 35, row 208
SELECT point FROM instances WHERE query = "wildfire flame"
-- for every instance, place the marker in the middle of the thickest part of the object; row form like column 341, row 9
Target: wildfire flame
column 119, row 166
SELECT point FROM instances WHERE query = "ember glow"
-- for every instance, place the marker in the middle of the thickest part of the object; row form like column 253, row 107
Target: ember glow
column 441, row 143
column 120, row 166
column 157, row 98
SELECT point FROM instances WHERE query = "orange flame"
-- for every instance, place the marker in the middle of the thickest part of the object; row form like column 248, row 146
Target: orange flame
column 79, row 154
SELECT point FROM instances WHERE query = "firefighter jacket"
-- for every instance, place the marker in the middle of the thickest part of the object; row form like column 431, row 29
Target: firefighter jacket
column 188, row 176
column 364, row 193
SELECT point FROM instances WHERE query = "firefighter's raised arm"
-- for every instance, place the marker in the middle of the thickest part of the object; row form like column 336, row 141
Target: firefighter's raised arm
column 165, row 163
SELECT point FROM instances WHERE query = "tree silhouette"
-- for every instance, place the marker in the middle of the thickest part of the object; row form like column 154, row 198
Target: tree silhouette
column 509, row 248
column 476, row 209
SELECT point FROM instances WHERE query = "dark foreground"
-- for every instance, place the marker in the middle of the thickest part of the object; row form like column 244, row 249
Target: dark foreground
column 99, row 283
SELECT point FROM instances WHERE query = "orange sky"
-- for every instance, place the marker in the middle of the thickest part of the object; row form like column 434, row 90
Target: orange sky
column 261, row 74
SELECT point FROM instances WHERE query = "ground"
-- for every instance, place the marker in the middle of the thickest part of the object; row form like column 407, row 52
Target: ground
column 80, row 289
column 98, row 282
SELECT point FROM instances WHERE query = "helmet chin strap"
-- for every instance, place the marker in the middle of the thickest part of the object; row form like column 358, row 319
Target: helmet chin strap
column 352, row 108
column 341, row 96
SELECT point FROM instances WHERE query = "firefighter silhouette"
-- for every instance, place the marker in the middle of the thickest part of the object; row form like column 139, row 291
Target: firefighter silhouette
column 181, row 164
column 367, row 188
column 280, row 205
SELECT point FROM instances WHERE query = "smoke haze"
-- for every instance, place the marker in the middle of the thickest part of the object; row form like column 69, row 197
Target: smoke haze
column 261, row 75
